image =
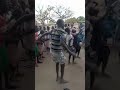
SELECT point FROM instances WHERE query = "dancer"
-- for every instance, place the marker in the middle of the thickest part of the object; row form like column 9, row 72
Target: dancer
column 57, row 44
column 56, row 49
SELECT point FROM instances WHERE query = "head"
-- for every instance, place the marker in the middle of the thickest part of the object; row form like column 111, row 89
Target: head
column 48, row 28
column 40, row 27
column 53, row 28
column 60, row 23
column 44, row 28
column 65, row 25
column 67, row 30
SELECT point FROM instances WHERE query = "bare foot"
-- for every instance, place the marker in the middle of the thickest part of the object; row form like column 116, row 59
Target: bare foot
column 58, row 78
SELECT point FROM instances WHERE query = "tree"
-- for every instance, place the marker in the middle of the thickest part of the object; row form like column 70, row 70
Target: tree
column 71, row 20
column 62, row 12
column 81, row 19
column 51, row 13
column 44, row 15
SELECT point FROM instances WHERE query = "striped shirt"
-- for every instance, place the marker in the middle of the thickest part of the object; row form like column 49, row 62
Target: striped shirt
column 56, row 36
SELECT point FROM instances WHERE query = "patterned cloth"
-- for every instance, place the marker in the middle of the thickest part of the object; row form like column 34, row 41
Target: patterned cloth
column 58, row 57
column 56, row 47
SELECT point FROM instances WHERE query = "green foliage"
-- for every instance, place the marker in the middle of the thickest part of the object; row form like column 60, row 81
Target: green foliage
column 81, row 19
column 71, row 20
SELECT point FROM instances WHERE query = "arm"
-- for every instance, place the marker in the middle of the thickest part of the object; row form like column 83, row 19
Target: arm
column 67, row 48
column 40, row 38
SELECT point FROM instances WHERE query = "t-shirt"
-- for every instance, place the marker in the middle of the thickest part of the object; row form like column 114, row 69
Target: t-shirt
column 56, row 36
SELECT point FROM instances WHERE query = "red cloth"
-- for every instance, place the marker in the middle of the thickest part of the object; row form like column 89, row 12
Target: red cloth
column 36, row 36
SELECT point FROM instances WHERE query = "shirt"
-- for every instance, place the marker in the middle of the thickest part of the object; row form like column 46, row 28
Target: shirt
column 69, row 40
column 56, row 37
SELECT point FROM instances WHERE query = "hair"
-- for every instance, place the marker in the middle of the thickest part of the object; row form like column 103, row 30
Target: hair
column 60, row 23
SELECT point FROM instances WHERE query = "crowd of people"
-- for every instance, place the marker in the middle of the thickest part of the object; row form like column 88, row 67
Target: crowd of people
column 53, row 40
column 100, row 27
column 72, row 39
column 10, row 12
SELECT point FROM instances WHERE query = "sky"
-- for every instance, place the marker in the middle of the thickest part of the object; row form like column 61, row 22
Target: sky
column 77, row 6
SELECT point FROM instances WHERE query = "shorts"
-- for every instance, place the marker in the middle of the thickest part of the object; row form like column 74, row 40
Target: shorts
column 58, row 57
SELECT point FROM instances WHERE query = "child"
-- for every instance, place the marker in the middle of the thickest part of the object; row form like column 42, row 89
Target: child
column 36, row 55
column 69, row 42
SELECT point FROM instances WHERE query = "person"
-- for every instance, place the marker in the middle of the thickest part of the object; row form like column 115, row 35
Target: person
column 58, row 36
column 80, row 39
column 48, row 42
column 36, row 50
column 75, row 42
column 57, row 49
column 42, row 45
column 69, row 42
column 52, row 28
column 4, row 58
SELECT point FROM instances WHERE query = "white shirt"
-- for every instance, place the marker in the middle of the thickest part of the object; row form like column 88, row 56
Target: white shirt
column 68, row 37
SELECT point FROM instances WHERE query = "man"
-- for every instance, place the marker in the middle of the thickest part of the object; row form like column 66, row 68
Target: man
column 57, row 49
column 57, row 44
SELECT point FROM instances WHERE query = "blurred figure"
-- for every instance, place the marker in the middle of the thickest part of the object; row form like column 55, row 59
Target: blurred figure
column 48, row 42
column 69, row 42
column 57, row 49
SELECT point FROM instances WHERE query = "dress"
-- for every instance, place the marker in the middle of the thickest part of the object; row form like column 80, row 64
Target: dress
column 36, row 50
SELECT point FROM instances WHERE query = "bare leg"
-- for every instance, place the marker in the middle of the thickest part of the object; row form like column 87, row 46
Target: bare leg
column 73, row 59
column 57, row 71
column 62, row 74
column 69, row 58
